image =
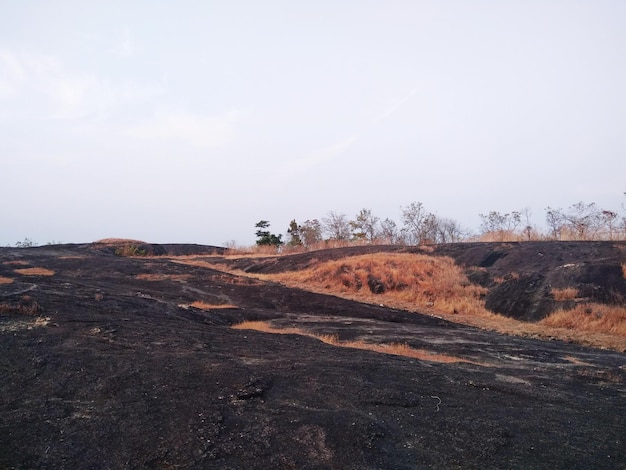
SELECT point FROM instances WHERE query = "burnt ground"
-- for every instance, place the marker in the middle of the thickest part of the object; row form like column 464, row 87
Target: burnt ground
column 104, row 364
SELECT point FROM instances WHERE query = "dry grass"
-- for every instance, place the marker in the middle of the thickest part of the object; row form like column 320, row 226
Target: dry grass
column 18, row 262
column 590, row 317
column 465, row 306
column 205, row 306
column 569, row 293
column 5, row 280
column 410, row 278
column 26, row 306
column 119, row 241
column 396, row 349
column 253, row 251
column 162, row 277
column 624, row 270
column 35, row 272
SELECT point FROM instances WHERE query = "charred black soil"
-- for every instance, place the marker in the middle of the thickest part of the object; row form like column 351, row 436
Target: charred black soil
column 106, row 363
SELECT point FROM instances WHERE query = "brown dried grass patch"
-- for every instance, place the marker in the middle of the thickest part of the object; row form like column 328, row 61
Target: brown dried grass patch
column 162, row 277
column 5, row 280
column 569, row 293
column 205, row 306
column 117, row 241
column 26, row 306
column 592, row 317
column 35, row 272
column 396, row 349
column 624, row 270
column 17, row 262
column 422, row 280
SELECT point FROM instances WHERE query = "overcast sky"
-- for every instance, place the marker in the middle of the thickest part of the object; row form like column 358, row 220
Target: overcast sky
column 190, row 121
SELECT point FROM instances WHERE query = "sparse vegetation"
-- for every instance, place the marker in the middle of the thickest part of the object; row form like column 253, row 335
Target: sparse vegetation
column 581, row 221
column 163, row 277
column 397, row 349
column 130, row 250
column 27, row 243
column 206, row 306
column 591, row 317
column 25, row 306
column 420, row 279
column 560, row 295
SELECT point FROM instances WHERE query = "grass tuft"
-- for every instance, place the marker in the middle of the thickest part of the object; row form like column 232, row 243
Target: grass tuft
column 569, row 293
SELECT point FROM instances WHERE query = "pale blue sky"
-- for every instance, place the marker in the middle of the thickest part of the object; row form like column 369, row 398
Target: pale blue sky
column 190, row 121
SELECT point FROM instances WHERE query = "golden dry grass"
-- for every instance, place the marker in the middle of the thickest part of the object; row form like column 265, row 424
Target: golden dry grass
column 162, row 277
column 35, row 272
column 18, row 262
column 469, row 311
column 590, row 317
column 205, row 306
column 396, row 349
column 5, row 280
column 252, row 251
column 569, row 293
column 412, row 278
column 117, row 241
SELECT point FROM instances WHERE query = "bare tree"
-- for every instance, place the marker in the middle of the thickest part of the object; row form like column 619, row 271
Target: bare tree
column 414, row 217
column 609, row 219
column 311, row 232
column 500, row 225
column 583, row 220
column 336, row 226
column 389, row 231
column 528, row 227
column 554, row 219
column 449, row 231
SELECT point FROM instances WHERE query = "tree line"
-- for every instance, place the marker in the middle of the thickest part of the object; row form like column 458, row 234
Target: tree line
column 580, row 221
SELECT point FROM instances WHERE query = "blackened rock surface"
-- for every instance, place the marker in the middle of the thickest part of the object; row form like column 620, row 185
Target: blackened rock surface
column 119, row 371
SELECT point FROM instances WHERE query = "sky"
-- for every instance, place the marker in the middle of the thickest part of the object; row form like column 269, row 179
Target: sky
column 190, row 121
